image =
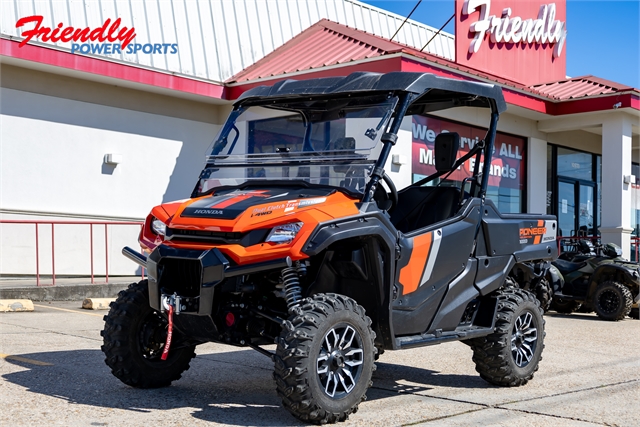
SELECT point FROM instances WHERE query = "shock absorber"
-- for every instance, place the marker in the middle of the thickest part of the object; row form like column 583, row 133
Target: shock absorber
column 291, row 282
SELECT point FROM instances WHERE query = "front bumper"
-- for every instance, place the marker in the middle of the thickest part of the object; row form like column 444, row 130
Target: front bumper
column 192, row 274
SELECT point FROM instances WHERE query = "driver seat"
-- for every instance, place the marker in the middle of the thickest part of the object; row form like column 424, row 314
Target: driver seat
column 419, row 207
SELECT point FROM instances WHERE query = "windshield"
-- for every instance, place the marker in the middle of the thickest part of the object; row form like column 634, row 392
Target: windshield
column 332, row 142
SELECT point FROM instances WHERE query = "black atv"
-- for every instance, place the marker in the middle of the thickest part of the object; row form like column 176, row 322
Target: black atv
column 596, row 279
column 290, row 237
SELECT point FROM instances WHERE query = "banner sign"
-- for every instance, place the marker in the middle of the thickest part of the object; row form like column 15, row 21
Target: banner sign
column 507, row 164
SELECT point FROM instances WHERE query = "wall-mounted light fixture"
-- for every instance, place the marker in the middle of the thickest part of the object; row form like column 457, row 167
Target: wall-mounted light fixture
column 399, row 159
column 113, row 159
column 629, row 179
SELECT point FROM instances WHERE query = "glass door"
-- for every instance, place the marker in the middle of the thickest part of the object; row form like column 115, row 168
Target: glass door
column 576, row 207
column 566, row 208
column 586, row 220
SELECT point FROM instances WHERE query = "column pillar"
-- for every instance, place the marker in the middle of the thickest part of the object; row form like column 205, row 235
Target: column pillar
column 616, row 195
column 537, row 176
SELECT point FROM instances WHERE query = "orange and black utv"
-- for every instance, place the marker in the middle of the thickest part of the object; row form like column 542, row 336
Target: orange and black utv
column 295, row 235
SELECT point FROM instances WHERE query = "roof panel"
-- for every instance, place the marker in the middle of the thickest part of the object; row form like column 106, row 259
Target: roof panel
column 319, row 46
column 579, row 87
column 362, row 82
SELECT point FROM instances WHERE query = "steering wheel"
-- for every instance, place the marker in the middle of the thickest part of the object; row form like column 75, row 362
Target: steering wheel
column 393, row 193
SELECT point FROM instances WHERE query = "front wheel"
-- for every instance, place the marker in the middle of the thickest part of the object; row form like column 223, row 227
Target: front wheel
column 134, row 336
column 612, row 301
column 325, row 359
column 511, row 354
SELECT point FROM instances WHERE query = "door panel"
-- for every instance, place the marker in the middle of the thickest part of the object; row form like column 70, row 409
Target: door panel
column 431, row 259
column 576, row 207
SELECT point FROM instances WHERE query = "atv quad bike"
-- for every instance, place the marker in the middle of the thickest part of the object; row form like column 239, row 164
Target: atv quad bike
column 290, row 238
column 596, row 280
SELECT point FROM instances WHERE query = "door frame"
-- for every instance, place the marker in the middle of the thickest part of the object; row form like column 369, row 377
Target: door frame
column 576, row 194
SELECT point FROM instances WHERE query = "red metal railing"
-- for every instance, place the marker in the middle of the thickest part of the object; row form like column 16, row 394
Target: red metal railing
column 635, row 242
column 91, row 225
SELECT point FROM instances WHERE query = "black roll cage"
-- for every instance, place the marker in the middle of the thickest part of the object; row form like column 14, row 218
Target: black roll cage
column 417, row 93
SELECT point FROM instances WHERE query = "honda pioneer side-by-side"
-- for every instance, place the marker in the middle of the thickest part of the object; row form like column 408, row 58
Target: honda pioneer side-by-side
column 294, row 235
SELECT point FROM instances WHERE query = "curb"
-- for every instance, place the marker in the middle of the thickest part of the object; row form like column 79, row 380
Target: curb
column 63, row 292
column 97, row 303
column 7, row 305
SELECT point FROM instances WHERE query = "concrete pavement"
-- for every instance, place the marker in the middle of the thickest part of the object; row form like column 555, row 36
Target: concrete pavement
column 53, row 373
column 65, row 289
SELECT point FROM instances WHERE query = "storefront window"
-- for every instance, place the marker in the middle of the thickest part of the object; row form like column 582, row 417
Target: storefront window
column 574, row 164
column 573, row 190
column 507, row 177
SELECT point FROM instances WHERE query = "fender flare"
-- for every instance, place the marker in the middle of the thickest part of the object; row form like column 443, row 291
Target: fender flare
column 616, row 270
column 366, row 224
column 556, row 280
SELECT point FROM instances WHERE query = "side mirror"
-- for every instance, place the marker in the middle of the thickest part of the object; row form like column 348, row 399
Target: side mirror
column 446, row 150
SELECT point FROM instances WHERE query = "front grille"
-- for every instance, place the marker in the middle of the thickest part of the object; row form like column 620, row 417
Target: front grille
column 180, row 276
column 219, row 237
column 249, row 238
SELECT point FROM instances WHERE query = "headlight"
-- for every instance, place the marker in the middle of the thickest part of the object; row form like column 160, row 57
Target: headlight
column 285, row 233
column 159, row 227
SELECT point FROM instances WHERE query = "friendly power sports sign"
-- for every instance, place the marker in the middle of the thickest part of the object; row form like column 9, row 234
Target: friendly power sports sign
column 112, row 37
column 507, row 165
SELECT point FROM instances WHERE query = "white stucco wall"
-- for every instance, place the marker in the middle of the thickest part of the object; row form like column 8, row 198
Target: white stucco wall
column 52, row 168
column 52, row 157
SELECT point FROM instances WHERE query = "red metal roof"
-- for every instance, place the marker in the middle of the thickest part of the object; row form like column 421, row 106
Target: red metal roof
column 328, row 43
column 324, row 43
column 580, row 87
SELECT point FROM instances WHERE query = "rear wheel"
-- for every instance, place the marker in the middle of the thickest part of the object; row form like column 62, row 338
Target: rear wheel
column 612, row 301
column 134, row 336
column 510, row 356
column 325, row 359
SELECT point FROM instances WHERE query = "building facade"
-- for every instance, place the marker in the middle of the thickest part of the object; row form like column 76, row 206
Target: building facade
column 93, row 133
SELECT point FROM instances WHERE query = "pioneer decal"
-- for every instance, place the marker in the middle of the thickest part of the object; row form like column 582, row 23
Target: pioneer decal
column 542, row 232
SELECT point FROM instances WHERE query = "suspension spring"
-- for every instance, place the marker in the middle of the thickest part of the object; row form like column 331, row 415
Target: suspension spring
column 292, row 289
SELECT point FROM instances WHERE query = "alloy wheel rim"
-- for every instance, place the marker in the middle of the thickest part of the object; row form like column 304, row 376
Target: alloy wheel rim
column 152, row 336
column 339, row 362
column 524, row 339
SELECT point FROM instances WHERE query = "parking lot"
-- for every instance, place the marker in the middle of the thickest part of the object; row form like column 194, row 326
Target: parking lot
column 53, row 373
